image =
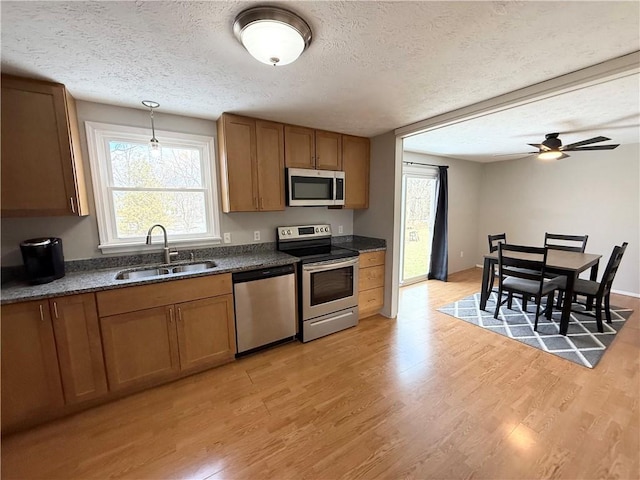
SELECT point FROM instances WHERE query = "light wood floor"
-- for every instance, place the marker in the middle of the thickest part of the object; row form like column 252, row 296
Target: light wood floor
column 423, row 396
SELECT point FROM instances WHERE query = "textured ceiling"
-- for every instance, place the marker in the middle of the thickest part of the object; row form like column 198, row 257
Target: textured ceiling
column 610, row 109
column 372, row 66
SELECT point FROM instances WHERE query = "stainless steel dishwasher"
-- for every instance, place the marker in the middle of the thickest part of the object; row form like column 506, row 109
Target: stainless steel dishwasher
column 265, row 307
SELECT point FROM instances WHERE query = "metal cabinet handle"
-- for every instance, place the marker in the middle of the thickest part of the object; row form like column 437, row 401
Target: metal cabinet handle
column 171, row 316
column 55, row 309
column 261, row 202
column 179, row 314
column 41, row 313
column 73, row 204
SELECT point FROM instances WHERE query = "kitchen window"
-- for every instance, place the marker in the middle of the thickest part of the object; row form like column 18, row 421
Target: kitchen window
column 133, row 190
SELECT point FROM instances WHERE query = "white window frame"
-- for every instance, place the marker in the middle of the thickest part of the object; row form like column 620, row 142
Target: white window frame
column 415, row 171
column 98, row 137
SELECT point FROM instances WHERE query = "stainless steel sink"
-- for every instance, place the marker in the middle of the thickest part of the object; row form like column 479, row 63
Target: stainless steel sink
column 194, row 267
column 156, row 271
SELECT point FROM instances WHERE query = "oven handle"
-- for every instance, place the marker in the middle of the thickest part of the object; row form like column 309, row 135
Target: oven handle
column 330, row 266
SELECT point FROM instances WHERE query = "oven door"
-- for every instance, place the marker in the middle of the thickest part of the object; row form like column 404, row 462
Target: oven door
column 329, row 287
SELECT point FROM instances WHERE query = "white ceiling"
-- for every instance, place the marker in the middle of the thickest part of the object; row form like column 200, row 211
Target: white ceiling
column 372, row 66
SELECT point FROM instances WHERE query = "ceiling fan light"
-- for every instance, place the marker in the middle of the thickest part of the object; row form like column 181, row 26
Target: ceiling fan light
column 550, row 155
column 273, row 36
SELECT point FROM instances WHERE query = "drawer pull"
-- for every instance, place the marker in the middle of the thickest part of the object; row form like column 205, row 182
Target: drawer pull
column 55, row 309
column 41, row 313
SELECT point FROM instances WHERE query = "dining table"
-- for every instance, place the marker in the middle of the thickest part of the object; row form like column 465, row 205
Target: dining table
column 559, row 262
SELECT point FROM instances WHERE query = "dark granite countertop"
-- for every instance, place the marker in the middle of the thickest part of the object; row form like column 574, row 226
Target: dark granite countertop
column 98, row 274
column 96, row 280
column 360, row 244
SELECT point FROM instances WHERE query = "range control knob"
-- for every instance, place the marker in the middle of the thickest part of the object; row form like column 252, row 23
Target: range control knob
column 326, row 229
column 288, row 232
column 282, row 232
column 317, row 230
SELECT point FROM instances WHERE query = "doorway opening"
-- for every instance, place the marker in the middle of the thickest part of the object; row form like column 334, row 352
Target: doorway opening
column 418, row 213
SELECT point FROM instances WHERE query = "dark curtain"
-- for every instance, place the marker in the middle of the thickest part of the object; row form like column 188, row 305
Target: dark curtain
column 439, row 248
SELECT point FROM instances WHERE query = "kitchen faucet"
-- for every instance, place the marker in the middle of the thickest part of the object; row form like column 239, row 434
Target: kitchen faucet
column 167, row 252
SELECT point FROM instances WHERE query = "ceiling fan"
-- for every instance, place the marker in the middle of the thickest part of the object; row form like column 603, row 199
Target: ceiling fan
column 552, row 149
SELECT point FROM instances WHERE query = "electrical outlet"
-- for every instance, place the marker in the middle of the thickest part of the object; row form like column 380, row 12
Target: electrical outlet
column 461, row 254
column 256, row 236
column 340, row 229
column 227, row 237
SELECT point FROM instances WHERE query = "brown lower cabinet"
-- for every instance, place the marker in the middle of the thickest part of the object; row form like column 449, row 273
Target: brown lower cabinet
column 371, row 283
column 58, row 353
column 206, row 332
column 51, row 355
column 147, row 346
column 140, row 347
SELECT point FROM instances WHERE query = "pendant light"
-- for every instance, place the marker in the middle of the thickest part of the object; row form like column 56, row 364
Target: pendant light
column 272, row 35
column 155, row 149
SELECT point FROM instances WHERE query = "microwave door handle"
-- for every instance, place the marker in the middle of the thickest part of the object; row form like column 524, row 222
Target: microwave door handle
column 329, row 266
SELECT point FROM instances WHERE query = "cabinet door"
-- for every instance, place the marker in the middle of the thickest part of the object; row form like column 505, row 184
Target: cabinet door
column 140, row 347
column 299, row 147
column 355, row 162
column 206, row 333
column 39, row 174
column 237, row 148
column 370, row 301
column 75, row 323
column 31, row 385
column 328, row 150
column 270, row 155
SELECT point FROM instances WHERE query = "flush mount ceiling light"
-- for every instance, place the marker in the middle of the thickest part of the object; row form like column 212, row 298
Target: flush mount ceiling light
column 272, row 35
column 155, row 149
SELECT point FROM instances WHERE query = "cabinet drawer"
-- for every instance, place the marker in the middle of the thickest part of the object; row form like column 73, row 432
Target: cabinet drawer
column 370, row 301
column 371, row 277
column 371, row 259
column 130, row 299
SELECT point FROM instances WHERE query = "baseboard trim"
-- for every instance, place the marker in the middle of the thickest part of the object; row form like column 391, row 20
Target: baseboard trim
column 626, row 294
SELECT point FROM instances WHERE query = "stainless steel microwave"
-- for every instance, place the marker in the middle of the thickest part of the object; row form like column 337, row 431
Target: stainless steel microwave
column 314, row 188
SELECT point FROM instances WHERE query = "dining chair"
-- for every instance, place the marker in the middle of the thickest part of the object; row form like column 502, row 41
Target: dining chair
column 494, row 241
column 571, row 243
column 521, row 270
column 599, row 291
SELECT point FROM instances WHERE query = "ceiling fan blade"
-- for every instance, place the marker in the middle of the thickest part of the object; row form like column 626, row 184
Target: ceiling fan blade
column 585, row 142
column 564, row 155
column 596, row 147
column 512, row 154
column 539, row 146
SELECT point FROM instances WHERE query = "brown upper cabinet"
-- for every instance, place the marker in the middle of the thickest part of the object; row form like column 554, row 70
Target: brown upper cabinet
column 251, row 156
column 42, row 171
column 315, row 149
column 355, row 159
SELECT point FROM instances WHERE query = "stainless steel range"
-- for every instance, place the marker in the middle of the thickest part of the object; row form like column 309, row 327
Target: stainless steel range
column 327, row 280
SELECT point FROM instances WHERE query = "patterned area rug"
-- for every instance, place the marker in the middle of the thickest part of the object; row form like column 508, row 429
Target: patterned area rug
column 582, row 344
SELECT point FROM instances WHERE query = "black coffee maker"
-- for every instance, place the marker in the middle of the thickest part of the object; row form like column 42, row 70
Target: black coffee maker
column 43, row 259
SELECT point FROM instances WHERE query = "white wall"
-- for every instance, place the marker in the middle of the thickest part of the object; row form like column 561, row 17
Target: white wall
column 593, row 193
column 464, row 197
column 80, row 235
column 379, row 220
